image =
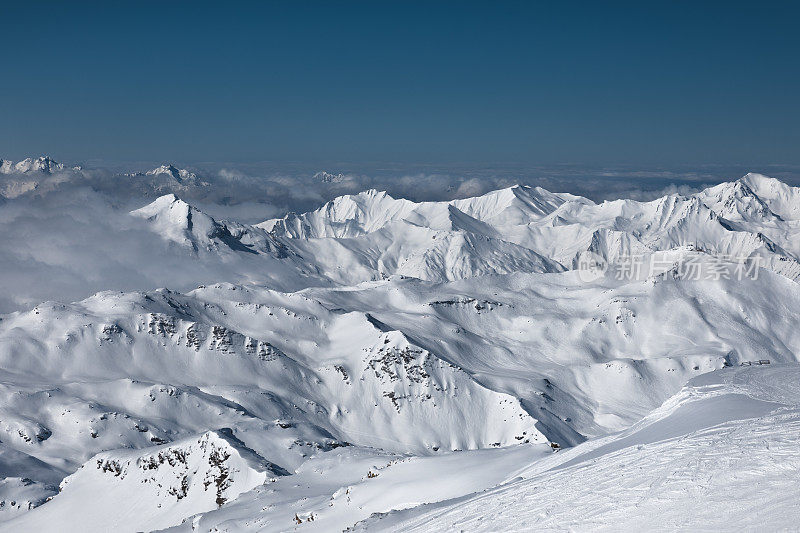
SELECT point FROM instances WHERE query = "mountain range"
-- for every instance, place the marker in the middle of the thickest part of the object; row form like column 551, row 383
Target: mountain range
column 485, row 363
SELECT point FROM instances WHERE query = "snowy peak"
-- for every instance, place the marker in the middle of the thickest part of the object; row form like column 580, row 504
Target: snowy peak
column 185, row 225
column 754, row 198
column 371, row 210
column 515, row 205
column 327, row 177
column 40, row 164
column 171, row 208
column 179, row 174
column 179, row 222
column 763, row 185
column 782, row 199
column 44, row 165
column 739, row 201
column 344, row 216
column 168, row 177
column 166, row 201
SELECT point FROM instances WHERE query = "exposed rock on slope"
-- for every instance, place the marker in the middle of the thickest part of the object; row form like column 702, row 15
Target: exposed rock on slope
column 159, row 486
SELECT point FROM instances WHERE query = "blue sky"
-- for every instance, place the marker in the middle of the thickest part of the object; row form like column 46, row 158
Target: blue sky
column 639, row 83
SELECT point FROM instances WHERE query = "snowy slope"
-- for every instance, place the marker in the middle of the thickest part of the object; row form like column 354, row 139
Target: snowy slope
column 722, row 455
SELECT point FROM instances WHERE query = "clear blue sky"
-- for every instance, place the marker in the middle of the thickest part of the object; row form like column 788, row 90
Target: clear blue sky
column 597, row 82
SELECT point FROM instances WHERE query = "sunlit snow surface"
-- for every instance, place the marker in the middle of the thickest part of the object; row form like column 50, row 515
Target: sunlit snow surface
column 386, row 364
column 723, row 454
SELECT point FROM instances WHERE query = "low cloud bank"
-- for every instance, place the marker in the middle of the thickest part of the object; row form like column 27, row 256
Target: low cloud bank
column 70, row 245
column 255, row 192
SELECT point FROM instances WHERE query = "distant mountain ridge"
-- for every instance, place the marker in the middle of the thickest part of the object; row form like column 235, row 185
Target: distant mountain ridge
column 749, row 217
column 44, row 165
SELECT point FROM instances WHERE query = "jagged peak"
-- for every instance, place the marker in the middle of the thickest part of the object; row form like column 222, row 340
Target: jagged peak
column 328, row 177
column 187, row 225
column 746, row 198
column 180, row 174
column 44, row 164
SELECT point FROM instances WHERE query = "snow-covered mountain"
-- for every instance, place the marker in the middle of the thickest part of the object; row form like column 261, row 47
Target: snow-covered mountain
column 178, row 222
column 32, row 176
column 421, row 359
column 43, row 164
column 327, row 177
column 355, row 215
column 166, row 178
column 167, row 170
column 754, row 198
column 178, row 174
